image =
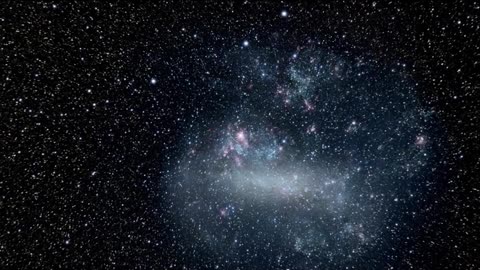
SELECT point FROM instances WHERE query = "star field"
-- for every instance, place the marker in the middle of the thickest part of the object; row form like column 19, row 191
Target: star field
column 239, row 135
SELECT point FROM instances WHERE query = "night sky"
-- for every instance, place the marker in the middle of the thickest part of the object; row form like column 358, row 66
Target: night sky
column 239, row 135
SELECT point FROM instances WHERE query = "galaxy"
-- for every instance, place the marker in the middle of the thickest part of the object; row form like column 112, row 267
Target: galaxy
column 311, row 160
column 249, row 135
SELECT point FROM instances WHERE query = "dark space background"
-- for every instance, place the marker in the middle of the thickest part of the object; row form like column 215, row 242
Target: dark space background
column 97, row 97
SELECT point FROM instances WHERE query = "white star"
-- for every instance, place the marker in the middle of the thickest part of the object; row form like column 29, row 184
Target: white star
column 284, row 13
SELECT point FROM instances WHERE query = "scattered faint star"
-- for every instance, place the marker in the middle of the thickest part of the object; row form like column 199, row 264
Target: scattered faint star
column 251, row 135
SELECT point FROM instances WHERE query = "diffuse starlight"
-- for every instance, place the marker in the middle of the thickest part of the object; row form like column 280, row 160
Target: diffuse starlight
column 314, row 178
